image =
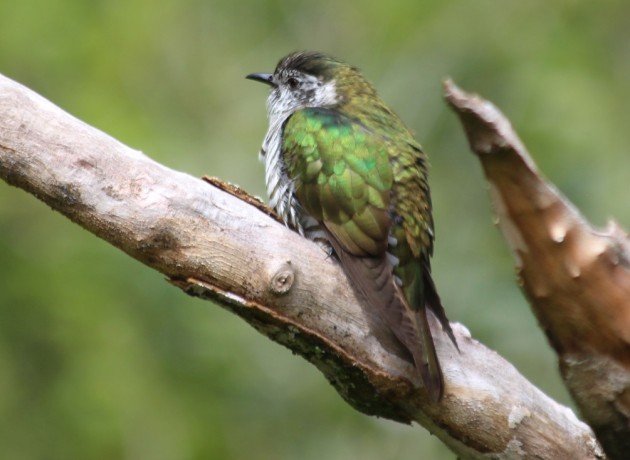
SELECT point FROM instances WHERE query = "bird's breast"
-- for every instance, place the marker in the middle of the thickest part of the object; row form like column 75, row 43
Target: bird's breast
column 280, row 187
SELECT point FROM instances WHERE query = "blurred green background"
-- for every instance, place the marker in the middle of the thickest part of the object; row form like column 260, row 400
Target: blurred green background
column 101, row 359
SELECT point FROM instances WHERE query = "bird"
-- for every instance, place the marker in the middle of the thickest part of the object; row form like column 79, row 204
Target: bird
column 342, row 169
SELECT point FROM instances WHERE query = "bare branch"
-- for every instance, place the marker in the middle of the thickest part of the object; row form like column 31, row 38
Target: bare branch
column 215, row 245
column 576, row 278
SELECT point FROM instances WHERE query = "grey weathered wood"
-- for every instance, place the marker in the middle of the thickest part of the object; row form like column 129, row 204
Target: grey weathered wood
column 215, row 245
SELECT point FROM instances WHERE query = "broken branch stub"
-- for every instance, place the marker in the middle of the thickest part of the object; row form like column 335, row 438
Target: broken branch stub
column 577, row 279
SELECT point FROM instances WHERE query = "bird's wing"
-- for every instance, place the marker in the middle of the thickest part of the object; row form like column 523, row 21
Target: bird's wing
column 413, row 204
column 343, row 177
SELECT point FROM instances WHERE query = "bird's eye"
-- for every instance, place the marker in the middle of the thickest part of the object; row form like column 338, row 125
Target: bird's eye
column 292, row 82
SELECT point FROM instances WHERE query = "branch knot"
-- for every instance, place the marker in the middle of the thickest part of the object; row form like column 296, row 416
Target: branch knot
column 283, row 279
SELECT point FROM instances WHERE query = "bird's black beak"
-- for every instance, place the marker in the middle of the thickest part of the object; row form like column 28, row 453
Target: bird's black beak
column 266, row 78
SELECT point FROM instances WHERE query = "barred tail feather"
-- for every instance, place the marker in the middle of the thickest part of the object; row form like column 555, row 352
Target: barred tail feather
column 433, row 371
column 373, row 278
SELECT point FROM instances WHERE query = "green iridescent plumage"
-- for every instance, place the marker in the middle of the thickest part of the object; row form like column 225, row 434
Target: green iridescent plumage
column 343, row 177
column 354, row 168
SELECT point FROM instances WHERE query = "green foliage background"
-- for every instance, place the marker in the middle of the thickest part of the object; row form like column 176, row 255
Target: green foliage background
column 101, row 359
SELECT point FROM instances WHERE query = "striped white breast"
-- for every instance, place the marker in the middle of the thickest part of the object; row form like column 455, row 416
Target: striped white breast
column 281, row 188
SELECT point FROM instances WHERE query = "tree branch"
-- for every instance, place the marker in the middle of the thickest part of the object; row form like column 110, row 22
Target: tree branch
column 576, row 278
column 214, row 245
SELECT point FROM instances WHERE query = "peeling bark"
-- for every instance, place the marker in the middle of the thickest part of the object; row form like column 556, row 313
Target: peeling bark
column 207, row 240
column 577, row 279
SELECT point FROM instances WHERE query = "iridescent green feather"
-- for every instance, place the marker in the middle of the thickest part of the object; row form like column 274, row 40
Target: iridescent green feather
column 351, row 175
column 345, row 181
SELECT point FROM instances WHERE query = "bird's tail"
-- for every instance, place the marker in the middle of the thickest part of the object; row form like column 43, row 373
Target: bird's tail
column 429, row 366
column 425, row 357
column 373, row 278
column 433, row 302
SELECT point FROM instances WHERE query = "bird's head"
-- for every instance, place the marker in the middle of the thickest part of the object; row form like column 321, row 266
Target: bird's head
column 310, row 79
